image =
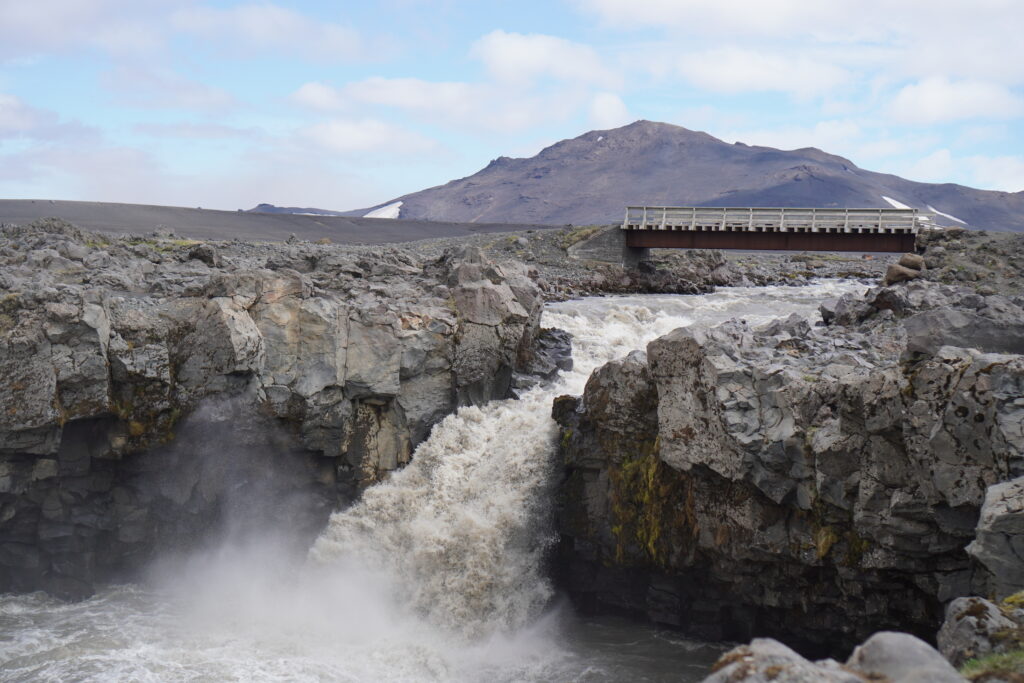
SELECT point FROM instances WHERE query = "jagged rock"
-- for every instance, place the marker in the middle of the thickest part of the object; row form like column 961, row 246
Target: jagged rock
column 928, row 331
column 850, row 310
column 811, row 483
column 348, row 357
column 999, row 544
column 828, row 310
column 207, row 254
column 553, row 353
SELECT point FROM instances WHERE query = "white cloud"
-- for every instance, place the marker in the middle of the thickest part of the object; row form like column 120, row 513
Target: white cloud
column 21, row 120
column 734, row 70
column 937, row 100
column 904, row 39
column 319, row 96
column 1004, row 173
column 116, row 26
column 450, row 98
column 937, row 167
column 706, row 117
column 348, row 136
column 162, row 88
column 826, row 135
column 193, row 131
column 280, row 174
column 522, row 58
column 452, row 103
column 607, row 110
column 258, row 27
column 16, row 117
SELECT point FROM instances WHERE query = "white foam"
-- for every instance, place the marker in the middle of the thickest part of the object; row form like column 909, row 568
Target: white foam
column 390, row 211
column 435, row 574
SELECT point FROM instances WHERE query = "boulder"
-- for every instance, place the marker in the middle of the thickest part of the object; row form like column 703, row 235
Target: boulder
column 207, row 254
column 886, row 656
column 974, row 628
column 901, row 657
column 912, row 261
column 999, row 544
column 765, row 660
column 899, row 273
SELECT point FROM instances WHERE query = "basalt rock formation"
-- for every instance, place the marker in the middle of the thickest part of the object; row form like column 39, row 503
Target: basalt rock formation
column 152, row 388
column 815, row 484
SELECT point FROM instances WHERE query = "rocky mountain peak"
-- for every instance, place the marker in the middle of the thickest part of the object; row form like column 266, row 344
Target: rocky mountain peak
column 592, row 177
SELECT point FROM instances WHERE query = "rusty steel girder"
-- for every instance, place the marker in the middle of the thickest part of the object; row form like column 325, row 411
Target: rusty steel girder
column 770, row 241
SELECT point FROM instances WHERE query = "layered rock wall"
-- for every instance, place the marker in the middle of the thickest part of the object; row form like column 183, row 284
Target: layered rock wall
column 327, row 365
column 816, row 484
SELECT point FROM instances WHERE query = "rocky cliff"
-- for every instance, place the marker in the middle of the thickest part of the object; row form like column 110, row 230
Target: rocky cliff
column 154, row 388
column 812, row 483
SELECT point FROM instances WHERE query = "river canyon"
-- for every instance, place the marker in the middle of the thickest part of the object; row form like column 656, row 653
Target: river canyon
column 439, row 572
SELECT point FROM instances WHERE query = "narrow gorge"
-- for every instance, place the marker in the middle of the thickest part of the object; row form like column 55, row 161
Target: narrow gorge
column 297, row 461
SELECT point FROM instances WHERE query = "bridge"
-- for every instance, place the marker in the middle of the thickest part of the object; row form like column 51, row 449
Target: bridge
column 785, row 229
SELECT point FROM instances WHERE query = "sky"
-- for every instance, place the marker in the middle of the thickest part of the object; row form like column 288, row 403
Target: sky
column 342, row 105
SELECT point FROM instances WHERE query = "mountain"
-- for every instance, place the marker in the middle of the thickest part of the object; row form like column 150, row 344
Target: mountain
column 270, row 208
column 592, row 178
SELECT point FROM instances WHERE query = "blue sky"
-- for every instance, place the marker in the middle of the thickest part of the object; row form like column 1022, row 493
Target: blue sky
column 347, row 104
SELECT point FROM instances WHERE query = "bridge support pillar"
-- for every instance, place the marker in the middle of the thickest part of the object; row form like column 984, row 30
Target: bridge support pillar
column 609, row 245
column 632, row 257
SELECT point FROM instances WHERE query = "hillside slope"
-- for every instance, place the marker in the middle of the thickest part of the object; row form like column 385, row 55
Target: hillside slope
column 592, row 178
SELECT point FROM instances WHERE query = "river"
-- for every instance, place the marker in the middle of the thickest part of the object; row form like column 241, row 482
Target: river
column 436, row 574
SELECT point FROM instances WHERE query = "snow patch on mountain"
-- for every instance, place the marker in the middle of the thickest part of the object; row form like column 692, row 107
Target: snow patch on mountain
column 952, row 218
column 895, row 204
column 390, row 211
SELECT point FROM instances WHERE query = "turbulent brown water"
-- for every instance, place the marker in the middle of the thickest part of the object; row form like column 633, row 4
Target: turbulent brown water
column 435, row 575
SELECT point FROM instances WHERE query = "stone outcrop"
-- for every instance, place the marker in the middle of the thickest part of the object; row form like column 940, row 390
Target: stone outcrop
column 811, row 483
column 975, row 627
column 886, row 656
column 991, row 262
column 999, row 544
column 111, row 347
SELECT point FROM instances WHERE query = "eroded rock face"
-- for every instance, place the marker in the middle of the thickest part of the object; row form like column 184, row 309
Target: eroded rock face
column 999, row 545
column 107, row 345
column 816, row 484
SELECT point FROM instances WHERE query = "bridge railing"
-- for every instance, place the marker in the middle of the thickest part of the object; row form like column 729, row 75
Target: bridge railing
column 766, row 219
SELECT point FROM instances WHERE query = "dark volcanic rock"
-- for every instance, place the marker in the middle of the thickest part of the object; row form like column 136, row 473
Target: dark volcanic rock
column 133, row 368
column 816, row 484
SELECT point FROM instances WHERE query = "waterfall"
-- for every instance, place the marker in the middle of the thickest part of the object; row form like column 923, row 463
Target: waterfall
column 434, row 574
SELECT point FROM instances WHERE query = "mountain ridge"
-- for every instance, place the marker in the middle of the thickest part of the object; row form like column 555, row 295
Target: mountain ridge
column 592, row 178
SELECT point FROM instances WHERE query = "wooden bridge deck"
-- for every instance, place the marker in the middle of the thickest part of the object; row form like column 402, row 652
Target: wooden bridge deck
column 795, row 229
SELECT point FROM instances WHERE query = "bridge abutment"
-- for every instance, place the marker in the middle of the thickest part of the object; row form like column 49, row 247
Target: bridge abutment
column 609, row 246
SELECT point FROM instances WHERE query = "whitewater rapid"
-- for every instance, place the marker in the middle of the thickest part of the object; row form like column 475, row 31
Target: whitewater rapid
column 436, row 574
